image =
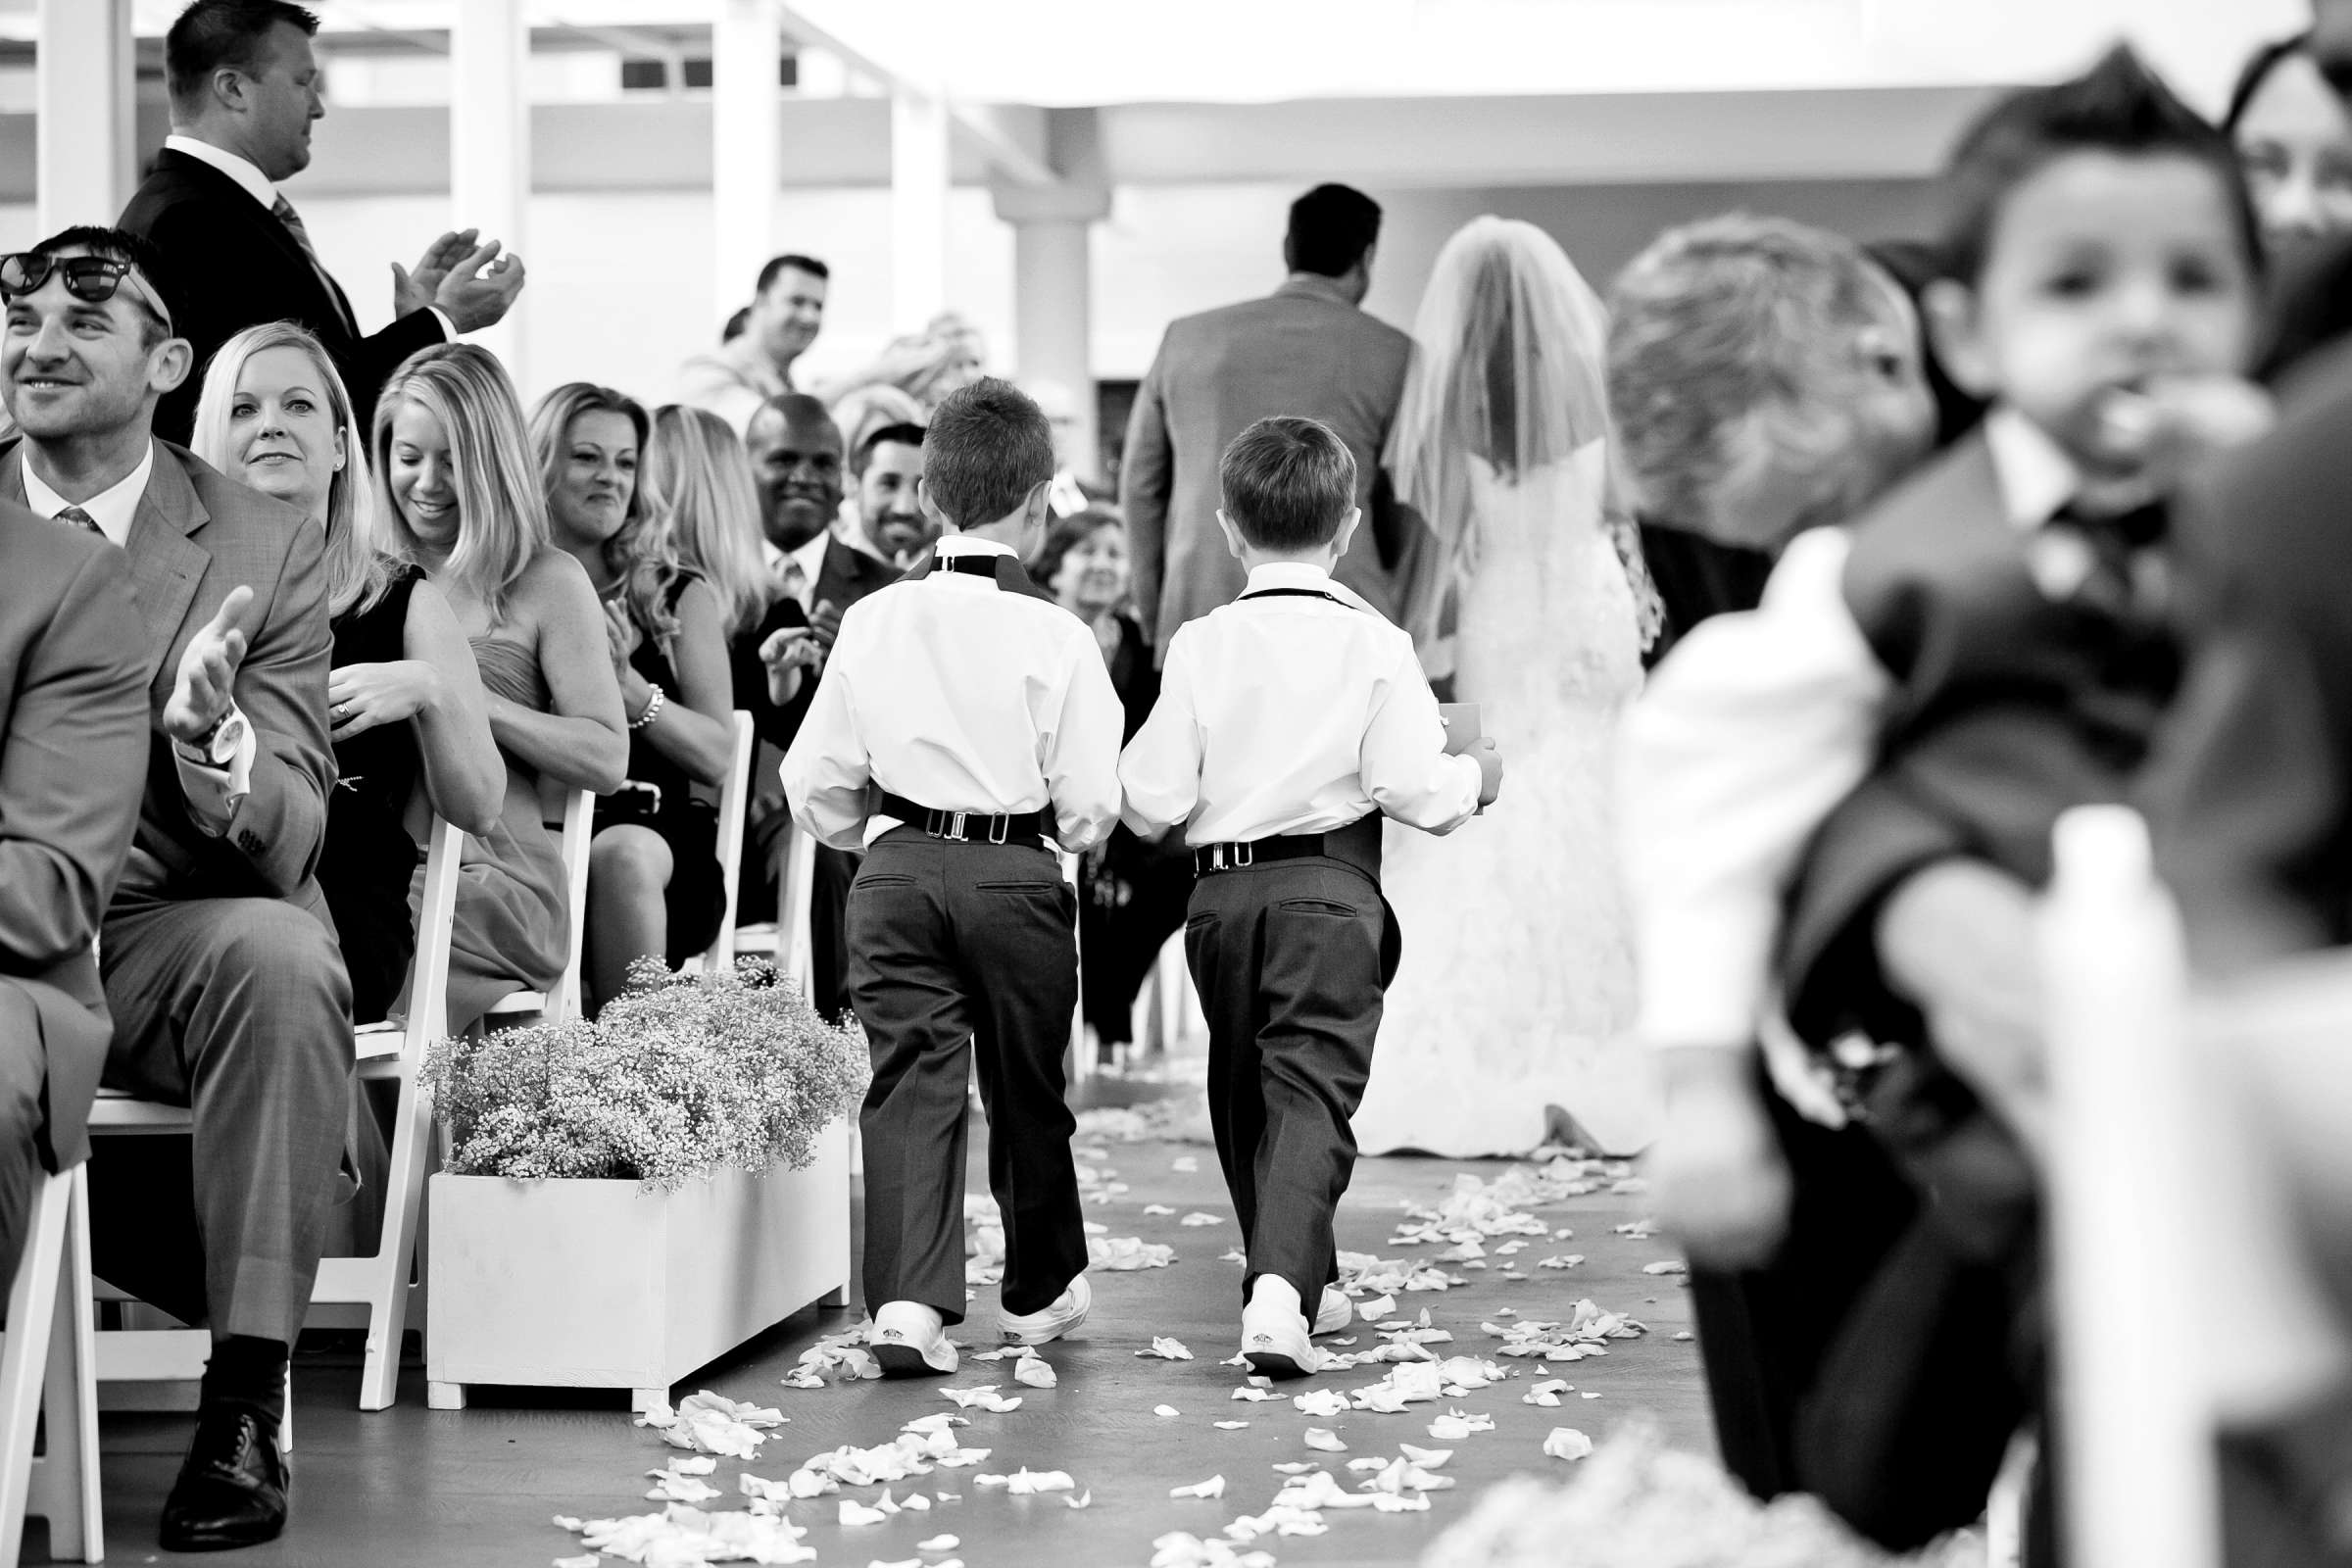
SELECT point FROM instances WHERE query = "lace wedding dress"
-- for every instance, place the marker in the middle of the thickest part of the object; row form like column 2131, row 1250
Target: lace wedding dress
column 1516, row 984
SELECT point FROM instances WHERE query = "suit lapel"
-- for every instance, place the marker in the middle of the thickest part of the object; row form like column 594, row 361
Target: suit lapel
column 165, row 564
column 275, row 233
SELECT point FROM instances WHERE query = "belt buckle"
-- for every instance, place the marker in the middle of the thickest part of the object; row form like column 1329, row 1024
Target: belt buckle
column 997, row 826
column 956, row 821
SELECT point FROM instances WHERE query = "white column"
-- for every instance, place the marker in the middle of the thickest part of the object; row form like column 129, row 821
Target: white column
column 746, row 148
column 490, row 147
column 918, row 208
column 82, row 121
column 1052, row 315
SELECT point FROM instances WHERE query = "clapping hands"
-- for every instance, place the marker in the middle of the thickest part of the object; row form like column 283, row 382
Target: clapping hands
column 463, row 276
column 206, row 685
column 788, row 655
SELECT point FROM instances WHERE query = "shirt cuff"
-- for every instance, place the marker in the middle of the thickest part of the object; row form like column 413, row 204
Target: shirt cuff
column 449, row 329
column 214, row 790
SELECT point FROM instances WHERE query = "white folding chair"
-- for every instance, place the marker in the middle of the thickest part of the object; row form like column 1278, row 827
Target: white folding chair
column 579, row 827
column 377, row 1283
column 734, row 800
column 47, row 1365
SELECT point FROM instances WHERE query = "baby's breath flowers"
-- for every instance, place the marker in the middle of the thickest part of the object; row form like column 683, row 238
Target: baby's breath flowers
column 680, row 1077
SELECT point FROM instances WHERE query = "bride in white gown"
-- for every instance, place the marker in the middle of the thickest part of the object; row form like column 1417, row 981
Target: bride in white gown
column 1516, row 985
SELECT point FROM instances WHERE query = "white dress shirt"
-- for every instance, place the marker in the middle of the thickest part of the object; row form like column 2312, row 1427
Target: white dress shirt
column 213, row 792
column 1749, row 734
column 956, row 693
column 256, row 184
column 1292, row 714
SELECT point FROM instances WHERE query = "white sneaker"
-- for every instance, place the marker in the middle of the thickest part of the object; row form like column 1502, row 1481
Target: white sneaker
column 1274, row 1337
column 1335, row 1312
column 1061, row 1316
column 910, row 1340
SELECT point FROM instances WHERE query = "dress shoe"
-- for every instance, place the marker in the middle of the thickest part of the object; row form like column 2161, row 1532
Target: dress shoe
column 1335, row 1312
column 910, row 1340
column 1057, row 1318
column 232, row 1490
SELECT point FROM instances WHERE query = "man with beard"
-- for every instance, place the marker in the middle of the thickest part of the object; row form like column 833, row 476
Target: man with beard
column 886, row 466
column 796, row 457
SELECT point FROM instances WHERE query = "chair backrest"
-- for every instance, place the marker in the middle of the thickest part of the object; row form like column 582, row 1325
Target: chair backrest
column 579, row 827
column 436, row 918
column 734, row 801
column 795, row 946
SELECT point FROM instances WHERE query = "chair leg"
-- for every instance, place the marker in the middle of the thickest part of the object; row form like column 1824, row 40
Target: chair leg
column 25, row 1356
column 396, row 1250
column 65, row 1490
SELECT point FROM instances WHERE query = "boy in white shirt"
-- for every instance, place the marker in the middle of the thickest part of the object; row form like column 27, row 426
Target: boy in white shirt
column 962, row 719
column 1289, row 722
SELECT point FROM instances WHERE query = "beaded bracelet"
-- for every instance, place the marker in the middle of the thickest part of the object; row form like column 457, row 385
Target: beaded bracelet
column 653, row 707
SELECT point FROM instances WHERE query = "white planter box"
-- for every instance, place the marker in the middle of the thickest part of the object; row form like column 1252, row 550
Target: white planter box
column 603, row 1285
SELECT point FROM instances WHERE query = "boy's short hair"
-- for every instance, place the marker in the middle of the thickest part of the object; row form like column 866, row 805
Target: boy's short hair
column 985, row 449
column 1288, row 482
column 1731, row 341
column 2118, row 106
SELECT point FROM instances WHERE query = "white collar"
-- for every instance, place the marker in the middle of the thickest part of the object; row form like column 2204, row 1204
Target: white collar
column 969, row 544
column 1289, row 574
column 2035, row 476
column 244, row 170
column 114, row 509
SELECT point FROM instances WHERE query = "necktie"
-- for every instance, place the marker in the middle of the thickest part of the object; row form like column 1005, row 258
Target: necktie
column 75, row 518
column 284, row 211
column 791, row 581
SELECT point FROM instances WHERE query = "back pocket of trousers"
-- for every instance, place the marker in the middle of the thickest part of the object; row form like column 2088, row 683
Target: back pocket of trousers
column 1329, row 909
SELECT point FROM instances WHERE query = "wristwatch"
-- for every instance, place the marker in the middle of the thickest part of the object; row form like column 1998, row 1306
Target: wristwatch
column 216, row 747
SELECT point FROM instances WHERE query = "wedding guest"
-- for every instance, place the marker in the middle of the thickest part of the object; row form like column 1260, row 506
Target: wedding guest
column 861, row 410
column 960, row 726
column 244, row 92
column 457, row 493
column 73, row 755
column 887, row 466
column 1984, row 648
column 654, row 882
column 1309, row 348
column 1280, row 785
column 2293, row 132
column 698, row 488
column 796, row 454
column 749, row 367
column 405, row 699
column 1764, row 373
column 1131, row 894
column 226, row 991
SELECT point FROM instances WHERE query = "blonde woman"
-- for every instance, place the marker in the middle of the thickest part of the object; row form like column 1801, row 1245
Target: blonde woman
column 654, row 880
column 458, row 494
column 409, row 708
column 697, row 487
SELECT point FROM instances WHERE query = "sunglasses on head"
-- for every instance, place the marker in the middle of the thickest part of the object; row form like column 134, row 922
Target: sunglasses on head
column 92, row 280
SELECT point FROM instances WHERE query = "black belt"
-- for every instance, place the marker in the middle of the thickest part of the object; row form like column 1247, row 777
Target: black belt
column 1026, row 829
column 1357, row 844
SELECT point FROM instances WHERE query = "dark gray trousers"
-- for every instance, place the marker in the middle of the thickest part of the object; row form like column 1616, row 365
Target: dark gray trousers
column 955, row 946
column 1291, row 959
column 240, row 1009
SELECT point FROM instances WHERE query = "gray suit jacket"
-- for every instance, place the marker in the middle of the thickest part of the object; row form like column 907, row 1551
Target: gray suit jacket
column 197, row 535
column 1302, row 349
column 72, row 755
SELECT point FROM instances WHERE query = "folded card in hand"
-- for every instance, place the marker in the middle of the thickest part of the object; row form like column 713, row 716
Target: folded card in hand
column 1461, row 727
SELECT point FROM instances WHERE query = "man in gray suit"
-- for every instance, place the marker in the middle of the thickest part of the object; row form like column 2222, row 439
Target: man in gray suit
column 220, row 962
column 73, row 752
column 1306, row 349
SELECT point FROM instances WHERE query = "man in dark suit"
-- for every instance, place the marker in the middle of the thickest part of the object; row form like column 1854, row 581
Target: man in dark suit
column 73, row 752
column 220, row 961
column 1306, row 349
column 244, row 92
column 796, row 452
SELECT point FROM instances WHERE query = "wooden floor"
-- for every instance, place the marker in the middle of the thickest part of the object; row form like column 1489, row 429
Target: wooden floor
column 408, row 1486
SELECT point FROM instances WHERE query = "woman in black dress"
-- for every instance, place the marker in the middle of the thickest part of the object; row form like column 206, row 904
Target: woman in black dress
column 1134, row 894
column 654, row 879
column 404, row 698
